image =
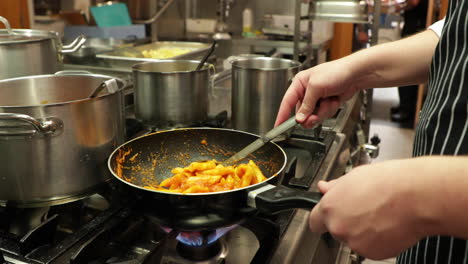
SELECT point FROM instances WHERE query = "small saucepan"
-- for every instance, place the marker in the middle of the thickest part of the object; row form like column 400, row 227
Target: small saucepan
column 149, row 159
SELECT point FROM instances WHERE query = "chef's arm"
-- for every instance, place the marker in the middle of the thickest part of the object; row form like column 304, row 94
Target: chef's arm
column 397, row 63
column 442, row 198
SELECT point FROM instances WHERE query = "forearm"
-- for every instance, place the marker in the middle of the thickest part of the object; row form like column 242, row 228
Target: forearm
column 397, row 63
column 440, row 187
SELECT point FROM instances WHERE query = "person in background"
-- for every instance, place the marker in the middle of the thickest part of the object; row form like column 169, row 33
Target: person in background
column 415, row 13
column 415, row 208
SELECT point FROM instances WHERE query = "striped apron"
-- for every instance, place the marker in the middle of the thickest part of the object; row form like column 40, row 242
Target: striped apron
column 443, row 125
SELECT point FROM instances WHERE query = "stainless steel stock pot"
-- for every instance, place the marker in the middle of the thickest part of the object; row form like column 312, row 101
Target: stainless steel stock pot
column 25, row 52
column 258, row 86
column 171, row 93
column 54, row 140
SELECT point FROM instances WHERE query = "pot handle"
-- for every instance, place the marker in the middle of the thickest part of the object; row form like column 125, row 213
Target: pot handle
column 271, row 199
column 7, row 25
column 71, row 72
column 45, row 127
column 74, row 46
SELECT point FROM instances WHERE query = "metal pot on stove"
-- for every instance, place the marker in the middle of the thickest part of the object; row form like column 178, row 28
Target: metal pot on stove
column 171, row 93
column 27, row 52
column 258, row 86
column 54, row 139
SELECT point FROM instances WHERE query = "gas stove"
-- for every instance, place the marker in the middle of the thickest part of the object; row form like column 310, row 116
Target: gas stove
column 110, row 227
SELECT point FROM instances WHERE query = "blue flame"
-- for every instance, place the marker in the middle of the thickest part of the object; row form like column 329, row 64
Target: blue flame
column 197, row 238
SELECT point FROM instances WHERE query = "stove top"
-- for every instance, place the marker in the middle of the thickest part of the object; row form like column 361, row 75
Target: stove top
column 104, row 228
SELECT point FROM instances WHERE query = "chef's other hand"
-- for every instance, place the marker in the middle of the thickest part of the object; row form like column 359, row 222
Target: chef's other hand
column 330, row 82
column 370, row 210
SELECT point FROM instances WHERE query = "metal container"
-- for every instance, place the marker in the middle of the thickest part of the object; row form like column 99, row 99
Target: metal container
column 171, row 93
column 27, row 52
column 345, row 11
column 54, row 140
column 258, row 86
column 128, row 56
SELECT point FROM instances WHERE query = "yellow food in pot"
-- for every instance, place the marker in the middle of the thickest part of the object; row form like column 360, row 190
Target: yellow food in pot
column 164, row 53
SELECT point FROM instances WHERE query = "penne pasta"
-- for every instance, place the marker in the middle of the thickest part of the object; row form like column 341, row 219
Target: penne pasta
column 209, row 176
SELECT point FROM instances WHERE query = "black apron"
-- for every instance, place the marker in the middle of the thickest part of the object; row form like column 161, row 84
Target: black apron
column 443, row 126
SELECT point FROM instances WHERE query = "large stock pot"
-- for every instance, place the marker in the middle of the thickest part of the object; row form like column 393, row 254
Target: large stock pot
column 54, row 140
column 27, row 52
column 171, row 93
column 258, row 86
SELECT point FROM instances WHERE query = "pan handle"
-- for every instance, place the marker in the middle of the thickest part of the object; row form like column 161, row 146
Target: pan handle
column 273, row 199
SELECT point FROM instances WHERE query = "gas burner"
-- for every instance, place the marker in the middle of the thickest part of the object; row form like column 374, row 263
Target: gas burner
column 180, row 253
column 200, row 238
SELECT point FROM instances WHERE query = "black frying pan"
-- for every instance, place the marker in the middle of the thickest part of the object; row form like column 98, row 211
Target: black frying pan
column 150, row 159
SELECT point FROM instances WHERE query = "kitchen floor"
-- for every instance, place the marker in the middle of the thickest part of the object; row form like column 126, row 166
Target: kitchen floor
column 396, row 142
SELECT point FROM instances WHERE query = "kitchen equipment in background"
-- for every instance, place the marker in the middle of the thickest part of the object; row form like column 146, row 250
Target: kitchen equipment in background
column 258, row 86
column 74, row 17
column 142, row 9
column 30, row 52
column 344, row 11
column 92, row 46
column 54, row 139
column 121, row 32
column 111, row 14
column 200, row 25
column 223, row 11
column 128, row 56
column 282, row 25
column 170, row 93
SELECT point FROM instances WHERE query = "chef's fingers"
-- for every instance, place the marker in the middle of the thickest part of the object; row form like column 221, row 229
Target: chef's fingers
column 316, row 220
column 298, row 105
column 294, row 94
column 311, row 121
column 325, row 186
column 326, row 108
column 311, row 97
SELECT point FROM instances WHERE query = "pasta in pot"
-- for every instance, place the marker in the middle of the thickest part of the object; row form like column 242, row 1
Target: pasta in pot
column 209, row 176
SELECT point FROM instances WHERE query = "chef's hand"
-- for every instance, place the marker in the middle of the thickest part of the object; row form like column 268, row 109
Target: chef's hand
column 371, row 210
column 330, row 82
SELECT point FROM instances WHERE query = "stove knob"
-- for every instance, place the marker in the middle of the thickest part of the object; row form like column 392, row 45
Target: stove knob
column 375, row 140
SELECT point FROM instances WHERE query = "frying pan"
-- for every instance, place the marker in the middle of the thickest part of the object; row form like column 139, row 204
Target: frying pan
column 149, row 159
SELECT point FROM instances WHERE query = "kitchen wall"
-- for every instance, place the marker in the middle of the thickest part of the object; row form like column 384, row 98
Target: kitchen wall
column 170, row 25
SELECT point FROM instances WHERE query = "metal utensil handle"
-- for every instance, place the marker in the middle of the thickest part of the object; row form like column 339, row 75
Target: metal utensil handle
column 74, row 46
column 282, row 128
column 45, row 127
column 207, row 55
column 7, row 25
column 111, row 86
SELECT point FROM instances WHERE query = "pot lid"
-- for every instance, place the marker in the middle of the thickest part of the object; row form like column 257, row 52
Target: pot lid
column 24, row 36
column 9, row 35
